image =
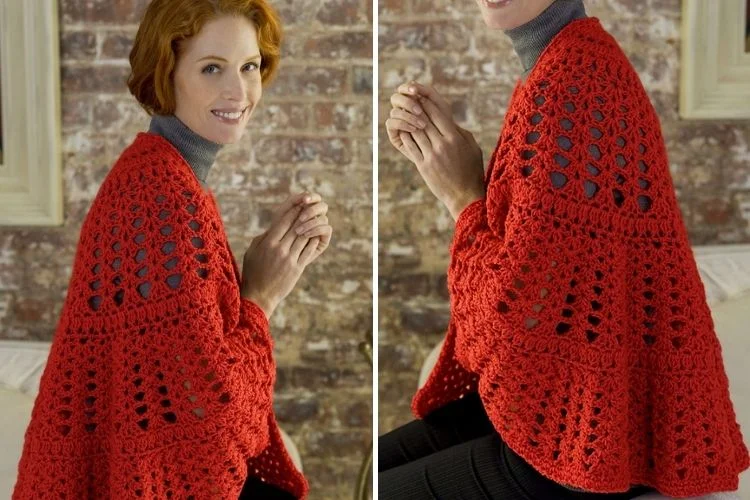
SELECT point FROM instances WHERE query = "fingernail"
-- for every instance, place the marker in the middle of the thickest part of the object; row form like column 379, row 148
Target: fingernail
column 421, row 124
column 417, row 110
column 412, row 90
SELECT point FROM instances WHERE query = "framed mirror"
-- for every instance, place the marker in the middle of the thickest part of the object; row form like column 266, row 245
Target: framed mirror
column 30, row 130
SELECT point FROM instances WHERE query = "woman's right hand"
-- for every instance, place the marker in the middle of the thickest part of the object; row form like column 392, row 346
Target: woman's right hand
column 274, row 261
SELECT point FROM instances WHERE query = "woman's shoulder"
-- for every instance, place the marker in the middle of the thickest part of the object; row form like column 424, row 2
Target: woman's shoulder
column 149, row 158
column 150, row 165
column 149, row 181
column 584, row 58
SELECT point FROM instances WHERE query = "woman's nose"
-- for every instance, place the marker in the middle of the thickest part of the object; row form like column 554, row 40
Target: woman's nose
column 235, row 88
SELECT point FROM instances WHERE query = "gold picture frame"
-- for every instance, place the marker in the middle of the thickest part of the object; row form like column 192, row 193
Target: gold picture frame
column 31, row 191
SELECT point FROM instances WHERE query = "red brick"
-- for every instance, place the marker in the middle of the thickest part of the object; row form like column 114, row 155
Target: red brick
column 117, row 45
column 101, row 78
column 102, row 11
column 302, row 150
column 392, row 9
column 308, row 81
column 343, row 117
column 280, row 115
column 76, row 110
column 362, row 80
column 77, row 45
column 450, row 36
column 342, row 12
column 345, row 45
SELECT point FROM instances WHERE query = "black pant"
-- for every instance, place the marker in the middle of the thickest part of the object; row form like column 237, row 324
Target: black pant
column 255, row 489
column 455, row 453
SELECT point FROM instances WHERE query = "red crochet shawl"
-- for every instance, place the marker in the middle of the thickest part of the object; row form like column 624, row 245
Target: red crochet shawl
column 577, row 309
column 160, row 376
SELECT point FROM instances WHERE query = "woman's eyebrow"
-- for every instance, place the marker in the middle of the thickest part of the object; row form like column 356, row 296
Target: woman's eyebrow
column 222, row 59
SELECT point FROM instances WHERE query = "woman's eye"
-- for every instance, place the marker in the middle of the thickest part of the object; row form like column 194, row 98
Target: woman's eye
column 248, row 67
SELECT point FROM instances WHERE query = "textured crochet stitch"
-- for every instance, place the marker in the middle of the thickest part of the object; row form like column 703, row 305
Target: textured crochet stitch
column 160, row 375
column 577, row 309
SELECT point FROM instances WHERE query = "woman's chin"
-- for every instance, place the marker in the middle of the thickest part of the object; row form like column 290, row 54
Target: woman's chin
column 225, row 137
column 502, row 18
column 494, row 23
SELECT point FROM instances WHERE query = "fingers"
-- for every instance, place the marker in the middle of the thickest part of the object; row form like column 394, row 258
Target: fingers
column 283, row 225
column 410, row 104
column 393, row 134
column 415, row 89
column 395, row 125
column 311, row 216
column 292, row 200
column 419, row 119
column 325, row 238
column 318, row 231
column 412, row 150
column 297, row 247
column 311, row 224
column 416, row 122
column 313, row 210
column 444, row 124
column 425, row 146
column 309, row 252
column 433, row 134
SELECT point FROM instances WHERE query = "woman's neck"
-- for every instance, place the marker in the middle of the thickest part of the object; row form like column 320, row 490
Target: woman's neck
column 198, row 151
column 530, row 39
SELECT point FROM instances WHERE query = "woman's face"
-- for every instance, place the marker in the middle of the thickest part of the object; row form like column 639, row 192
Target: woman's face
column 509, row 14
column 219, row 70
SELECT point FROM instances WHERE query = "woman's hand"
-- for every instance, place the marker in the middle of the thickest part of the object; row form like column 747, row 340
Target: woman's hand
column 274, row 261
column 312, row 223
column 447, row 156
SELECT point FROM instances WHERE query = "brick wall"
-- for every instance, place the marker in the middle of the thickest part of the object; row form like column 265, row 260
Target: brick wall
column 447, row 43
column 312, row 130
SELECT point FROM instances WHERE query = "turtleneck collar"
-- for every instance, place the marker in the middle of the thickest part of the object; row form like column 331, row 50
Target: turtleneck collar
column 198, row 151
column 530, row 39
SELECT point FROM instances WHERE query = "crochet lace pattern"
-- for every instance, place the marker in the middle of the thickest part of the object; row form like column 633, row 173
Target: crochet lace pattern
column 160, row 375
column 577, row 309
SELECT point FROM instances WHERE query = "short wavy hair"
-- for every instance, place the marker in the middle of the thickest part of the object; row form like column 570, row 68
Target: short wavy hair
column 167, row 23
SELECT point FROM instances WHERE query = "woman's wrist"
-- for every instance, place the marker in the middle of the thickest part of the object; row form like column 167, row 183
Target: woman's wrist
column 460, row 204
column 258, row 300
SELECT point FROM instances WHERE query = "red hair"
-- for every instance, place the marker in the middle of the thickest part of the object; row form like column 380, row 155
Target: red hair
column 166, row 23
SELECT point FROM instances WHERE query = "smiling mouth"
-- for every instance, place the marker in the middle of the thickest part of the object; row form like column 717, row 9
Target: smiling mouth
column 496, row 3
column 230, row 116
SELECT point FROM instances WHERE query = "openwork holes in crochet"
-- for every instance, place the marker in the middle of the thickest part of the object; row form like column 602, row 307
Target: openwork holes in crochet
column 136, row 263
column 607, row 142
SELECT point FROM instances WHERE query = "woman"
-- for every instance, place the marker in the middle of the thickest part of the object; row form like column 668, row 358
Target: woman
column 580, row 360
column 159, row 380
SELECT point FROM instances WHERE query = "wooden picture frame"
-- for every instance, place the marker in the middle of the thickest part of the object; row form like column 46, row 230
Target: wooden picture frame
column 715, row 68
column 31, row 191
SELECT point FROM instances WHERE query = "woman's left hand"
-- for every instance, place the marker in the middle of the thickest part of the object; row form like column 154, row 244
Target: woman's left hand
column 447, row 156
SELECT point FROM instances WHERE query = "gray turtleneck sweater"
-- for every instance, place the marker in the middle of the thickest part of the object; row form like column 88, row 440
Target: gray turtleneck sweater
column 198, row 151
column 530, row 39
